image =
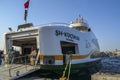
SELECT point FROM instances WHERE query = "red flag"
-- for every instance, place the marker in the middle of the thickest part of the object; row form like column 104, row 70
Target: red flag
column 26, row 5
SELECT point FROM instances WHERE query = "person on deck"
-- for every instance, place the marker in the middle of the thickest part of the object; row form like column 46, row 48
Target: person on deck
column 33, row 55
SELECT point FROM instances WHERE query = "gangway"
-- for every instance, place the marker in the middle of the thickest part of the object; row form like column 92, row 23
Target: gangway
column 17, row 67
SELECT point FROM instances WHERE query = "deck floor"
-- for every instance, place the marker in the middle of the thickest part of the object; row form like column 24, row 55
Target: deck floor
column 16, row 71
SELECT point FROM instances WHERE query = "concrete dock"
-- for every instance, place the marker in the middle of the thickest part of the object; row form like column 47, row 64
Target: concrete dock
column 8, row 72
column 105, row 76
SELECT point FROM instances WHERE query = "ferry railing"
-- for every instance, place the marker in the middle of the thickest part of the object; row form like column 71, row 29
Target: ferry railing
column 55, row 24
column 17, row 63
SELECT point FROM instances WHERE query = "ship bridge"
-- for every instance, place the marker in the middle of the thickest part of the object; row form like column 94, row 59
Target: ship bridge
column 80, row 24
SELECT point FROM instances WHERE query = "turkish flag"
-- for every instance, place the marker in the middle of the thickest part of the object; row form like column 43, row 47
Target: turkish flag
column 26, row 5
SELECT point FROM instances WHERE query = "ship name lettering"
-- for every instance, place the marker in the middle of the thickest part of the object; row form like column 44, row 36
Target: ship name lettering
column 66, row 34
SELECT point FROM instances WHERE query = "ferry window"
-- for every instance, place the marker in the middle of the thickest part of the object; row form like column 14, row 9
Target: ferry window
column 82, row 28
column 69, row 48
column 89, row 29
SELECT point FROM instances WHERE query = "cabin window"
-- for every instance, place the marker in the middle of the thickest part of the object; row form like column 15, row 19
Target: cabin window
column 69, row 48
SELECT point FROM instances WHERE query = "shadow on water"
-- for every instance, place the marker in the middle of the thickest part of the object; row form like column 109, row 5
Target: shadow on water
column 44, row 75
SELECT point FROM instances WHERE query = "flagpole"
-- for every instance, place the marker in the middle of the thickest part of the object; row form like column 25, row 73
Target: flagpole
column 27, row 11
column 25, row 15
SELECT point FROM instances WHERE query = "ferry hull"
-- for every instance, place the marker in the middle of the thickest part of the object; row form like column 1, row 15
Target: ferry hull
column 90, row 67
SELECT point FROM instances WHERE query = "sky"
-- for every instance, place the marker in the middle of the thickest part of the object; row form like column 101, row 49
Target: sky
column 103, row 16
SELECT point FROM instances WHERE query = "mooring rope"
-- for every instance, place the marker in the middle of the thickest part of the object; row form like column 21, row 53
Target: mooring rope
column 64, row 72
column 69, row 67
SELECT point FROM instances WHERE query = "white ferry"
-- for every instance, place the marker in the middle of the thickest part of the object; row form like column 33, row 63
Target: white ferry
column 55, row 43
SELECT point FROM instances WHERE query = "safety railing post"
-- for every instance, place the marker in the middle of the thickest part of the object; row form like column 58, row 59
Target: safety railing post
column 10, row 72
column 11, row 66
column 26, row 62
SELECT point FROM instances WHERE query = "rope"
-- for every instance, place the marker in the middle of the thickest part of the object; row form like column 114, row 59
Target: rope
column 65, row 70
column 63, row 76
column 69, row 67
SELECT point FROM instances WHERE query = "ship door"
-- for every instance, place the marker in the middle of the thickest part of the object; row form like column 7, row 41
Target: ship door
column 26, row 50
column 28, row 45
column 67, row 49
column 25, row 44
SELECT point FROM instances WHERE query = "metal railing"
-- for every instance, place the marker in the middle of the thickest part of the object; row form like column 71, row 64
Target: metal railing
column 16, row 63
